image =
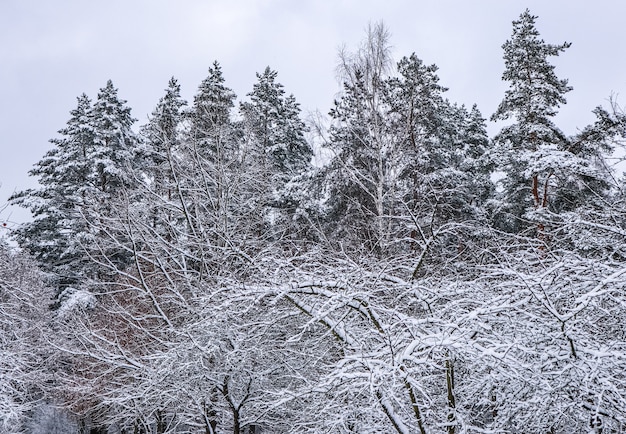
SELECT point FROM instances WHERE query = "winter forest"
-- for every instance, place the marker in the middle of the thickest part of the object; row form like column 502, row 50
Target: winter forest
column 199, row 274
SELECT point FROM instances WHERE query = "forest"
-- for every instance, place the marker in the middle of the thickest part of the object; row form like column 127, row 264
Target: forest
column 199, row 274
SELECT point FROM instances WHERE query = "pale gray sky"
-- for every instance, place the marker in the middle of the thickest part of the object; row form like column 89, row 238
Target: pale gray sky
column 52, row 51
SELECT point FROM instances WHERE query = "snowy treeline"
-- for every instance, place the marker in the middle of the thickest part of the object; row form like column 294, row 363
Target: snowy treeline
column 200, row 275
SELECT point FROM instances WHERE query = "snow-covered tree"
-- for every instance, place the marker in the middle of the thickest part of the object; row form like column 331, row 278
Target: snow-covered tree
column 360, row 179
column 277, row 149
column 65, row 176
column 533, row 151
column 215, row 182
column 118, row 161
column 193, row 300
column 162, row 137
column 116, row 152
column 442, row 162
column 96, row 157
column 406, row 161
column 211, row 113
column 547, row 173
column 23, row 351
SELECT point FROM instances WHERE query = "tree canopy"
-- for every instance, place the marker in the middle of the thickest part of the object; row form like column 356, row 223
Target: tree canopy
column 202, row 275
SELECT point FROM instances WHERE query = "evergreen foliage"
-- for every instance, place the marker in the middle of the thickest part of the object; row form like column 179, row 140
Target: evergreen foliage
column 277, row 149
column 96, row 158
column 194, row 296
column 65, row 175
column 162, row 136
column 532, row 144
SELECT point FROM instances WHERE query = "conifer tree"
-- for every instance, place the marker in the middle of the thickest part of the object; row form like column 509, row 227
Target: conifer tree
column 116, row 153
column 532, row 143
column 212, row 162
column 162, row 139
column 162, row 135
column 276, row 146
column 64, row 174
column 119, row 162
column 211, row 126
column 95, row 159
column 427, row 126
column 546, row 171
column 443, row 169
column 274, row 121
column 402, row 153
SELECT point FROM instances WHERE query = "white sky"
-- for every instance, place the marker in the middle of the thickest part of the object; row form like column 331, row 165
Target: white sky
column 52, row 51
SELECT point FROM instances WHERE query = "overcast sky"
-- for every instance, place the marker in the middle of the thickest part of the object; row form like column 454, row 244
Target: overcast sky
column 53, row 51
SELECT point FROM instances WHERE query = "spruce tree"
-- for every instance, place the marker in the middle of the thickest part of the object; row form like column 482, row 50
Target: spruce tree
column 274, row 121
column 116, row 153
column 162, row 136
column 211, row 159
column 162, row 139
column 277, row 148
column 95, row 160
column 210, row 116
column 119, row 163
column 64, row 174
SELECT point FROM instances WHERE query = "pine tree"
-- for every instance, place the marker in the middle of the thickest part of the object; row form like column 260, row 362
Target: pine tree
column 532, row 143
column 589, row 178
column 428, row 129
column 546, row 172
column 407, row 161
column 444, row 173
column 477, row 161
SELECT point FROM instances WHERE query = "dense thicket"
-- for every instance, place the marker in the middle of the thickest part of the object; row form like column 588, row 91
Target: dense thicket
column 426, row 278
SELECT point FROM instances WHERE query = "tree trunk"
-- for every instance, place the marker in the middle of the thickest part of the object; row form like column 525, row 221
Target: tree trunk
column 236, row 422
column 160, row 422
column 451, row 399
